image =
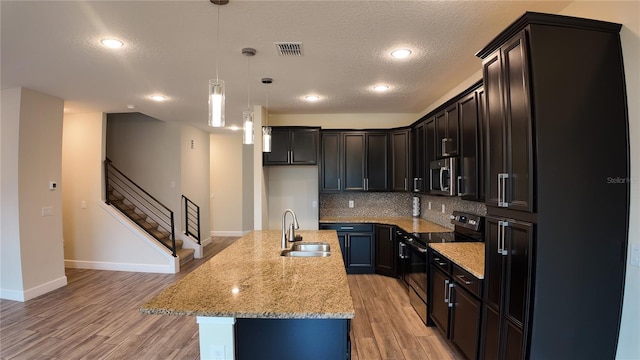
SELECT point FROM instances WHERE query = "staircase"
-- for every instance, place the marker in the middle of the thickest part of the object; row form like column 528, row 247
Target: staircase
column 145, row 222
column 144, row 210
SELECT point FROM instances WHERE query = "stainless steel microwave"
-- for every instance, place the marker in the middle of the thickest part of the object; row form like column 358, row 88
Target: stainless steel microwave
column 443, row 175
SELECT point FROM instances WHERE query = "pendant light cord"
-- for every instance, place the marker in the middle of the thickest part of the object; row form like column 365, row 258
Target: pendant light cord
column 218, row 43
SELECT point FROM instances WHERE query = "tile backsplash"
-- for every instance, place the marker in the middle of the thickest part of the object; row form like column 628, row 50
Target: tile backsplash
column 381, row 204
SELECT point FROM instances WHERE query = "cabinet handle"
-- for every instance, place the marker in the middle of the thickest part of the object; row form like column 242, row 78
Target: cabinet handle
column 406, row 182
column 449, row 300
column 463, row 279
column 459, row 184
column 446, row 291
column 346, row 227
column 501, row 235
column 442, row 170
column 444, row 146
column 366, row 184
column 502, row 194
column 339, row 184
column 401, row 250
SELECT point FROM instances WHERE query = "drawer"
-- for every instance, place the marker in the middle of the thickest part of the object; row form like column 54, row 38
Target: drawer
column 347, row 227
column 441, row 262
column 467, row 281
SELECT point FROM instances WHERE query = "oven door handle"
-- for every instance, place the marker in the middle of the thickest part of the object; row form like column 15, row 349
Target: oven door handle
column 418, row 247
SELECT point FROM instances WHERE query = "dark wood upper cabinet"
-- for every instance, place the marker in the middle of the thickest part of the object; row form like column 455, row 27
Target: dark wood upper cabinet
column 509, row 136
column 447, row 128
column 419, row 149
column 354, row 161
column 470, row 153
column 293, row 146
column 330, row 161
column 377, row 161
column 400, row 160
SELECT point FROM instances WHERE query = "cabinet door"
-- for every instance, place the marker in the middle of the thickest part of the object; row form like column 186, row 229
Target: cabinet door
column 481, row 143
column 451, row 143
column 354, row 156
column 465, row 322
column 419, row 158
column 469, row 149
column 342, row 239
column 490, row 334
column 495, row 127
column 514, row 341
column 360, row 253
column 494, row 263
column 439, row 310
column 441, row 134
column 304, row 146
column 430, row 155
column 386, row 250
column 330, row 163
column 400, row 160
column 377, row 162
column 279, row 154
column 519, row 187
column 518, row 245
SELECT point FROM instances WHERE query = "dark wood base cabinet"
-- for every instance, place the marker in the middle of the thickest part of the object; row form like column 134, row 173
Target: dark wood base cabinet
column 293, row 339
column 556, row 135
column 357, row 243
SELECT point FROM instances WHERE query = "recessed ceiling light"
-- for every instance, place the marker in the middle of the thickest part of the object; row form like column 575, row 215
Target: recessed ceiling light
column 158, row 98
column 381, row 88
column 400, row 53
column 112, row 43
column 312, row 98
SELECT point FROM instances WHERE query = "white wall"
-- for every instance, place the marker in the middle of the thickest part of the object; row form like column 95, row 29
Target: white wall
column 296, row 188
column 195, row 173
column 226, row 183
column 32, row 244
column 148, row 151
column 628, row 14
column 10, row 264
column 96, row 236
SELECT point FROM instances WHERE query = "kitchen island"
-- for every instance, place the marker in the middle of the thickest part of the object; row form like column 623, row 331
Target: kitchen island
column 249, row 300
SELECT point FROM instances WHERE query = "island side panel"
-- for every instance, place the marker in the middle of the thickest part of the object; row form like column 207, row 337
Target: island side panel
column 294, row 339
column 216, row 337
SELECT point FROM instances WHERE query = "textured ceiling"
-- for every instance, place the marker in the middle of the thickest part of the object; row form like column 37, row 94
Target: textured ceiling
column 53, row 47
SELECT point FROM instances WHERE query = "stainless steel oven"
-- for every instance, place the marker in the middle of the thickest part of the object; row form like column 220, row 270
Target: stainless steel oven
column 443, row 176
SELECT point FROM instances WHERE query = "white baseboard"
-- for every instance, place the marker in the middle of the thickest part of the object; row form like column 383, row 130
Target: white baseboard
column 229, row 233
column 34, row 292
column 145, row 268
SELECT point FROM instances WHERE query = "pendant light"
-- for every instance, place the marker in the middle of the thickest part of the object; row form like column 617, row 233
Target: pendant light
column 266, row 130
column 247, row 116
column 216, row 86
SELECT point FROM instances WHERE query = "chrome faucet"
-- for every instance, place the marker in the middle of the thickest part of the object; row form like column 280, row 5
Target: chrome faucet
column 292, row 226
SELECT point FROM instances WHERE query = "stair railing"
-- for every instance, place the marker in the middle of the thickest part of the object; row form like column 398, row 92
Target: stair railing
column 114, row 179
column 191, row 218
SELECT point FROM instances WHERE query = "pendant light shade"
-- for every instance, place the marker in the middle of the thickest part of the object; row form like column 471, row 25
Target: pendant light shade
column 216, row 103
column 247, row 116
column 247, row 127
column 266, row 139
column 216, row 86
column 266, row 130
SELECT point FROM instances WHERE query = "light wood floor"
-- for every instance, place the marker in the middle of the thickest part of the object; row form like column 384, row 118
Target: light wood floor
column 96, row 317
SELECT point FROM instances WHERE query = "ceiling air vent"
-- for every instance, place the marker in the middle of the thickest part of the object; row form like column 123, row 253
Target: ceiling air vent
column 289, row 48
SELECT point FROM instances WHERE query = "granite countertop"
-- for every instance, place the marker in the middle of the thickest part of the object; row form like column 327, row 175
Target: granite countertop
column 406, row 223
column 467, row 255
column 250, row 279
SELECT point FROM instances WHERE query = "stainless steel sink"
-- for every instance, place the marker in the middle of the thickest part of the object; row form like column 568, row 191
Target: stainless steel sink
column 311, row 246
column 297, row 253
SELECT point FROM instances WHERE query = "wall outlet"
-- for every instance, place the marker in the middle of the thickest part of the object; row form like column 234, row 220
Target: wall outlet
column 217, row 352
column 351, row 204
column 314, row 204
column 429, row 205
column 53, row 185
column 47, row 211
column 443, row 209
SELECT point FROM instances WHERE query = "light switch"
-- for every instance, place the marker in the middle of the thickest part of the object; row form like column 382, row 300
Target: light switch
column 635, row 255
column 314, row 204
column 83, row 204
column 52, row 185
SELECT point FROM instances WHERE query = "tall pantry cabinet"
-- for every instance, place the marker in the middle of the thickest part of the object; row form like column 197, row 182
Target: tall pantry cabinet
column 556, row 148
